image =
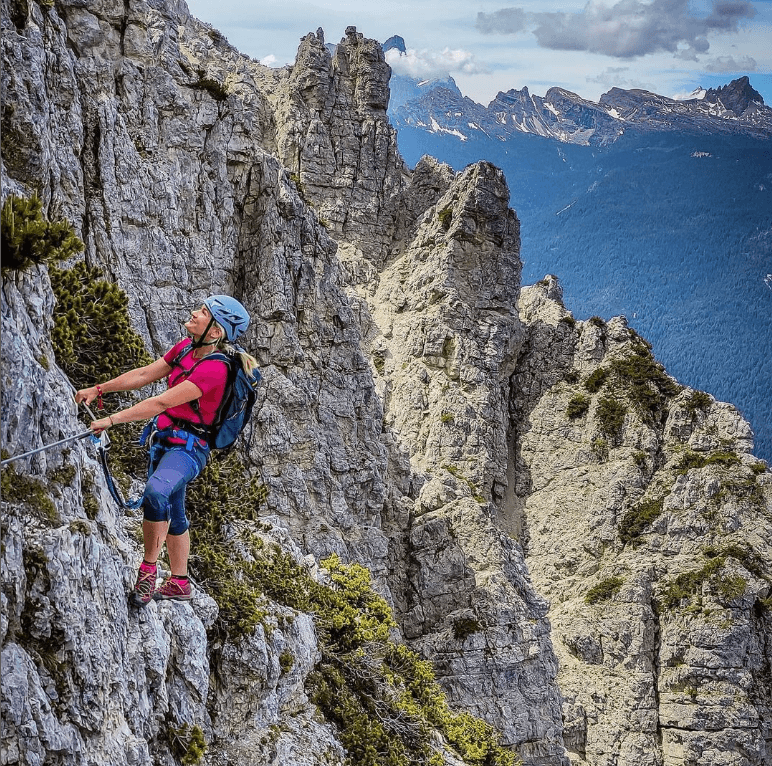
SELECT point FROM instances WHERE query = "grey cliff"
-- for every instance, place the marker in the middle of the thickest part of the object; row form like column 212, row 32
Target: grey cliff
column 413, row 417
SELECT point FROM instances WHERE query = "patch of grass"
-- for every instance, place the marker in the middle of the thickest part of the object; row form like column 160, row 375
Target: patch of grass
column 447, row 417
column 569, row 320
column 692, row 460
column 597, row 321
column 604, row 590
column 445, row 217
column 748, row 489
column 635, row 521
column 744, row 554
column 689, row 584
column 577, row 406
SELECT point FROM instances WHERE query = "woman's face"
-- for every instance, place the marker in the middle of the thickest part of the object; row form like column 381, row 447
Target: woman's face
column 198, row 322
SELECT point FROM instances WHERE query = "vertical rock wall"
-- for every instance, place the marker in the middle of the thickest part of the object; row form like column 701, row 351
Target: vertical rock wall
column 189, row 169
column 669, row 664
column 413, row 417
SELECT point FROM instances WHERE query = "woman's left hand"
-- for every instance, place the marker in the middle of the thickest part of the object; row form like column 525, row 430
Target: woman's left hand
column 97, row 426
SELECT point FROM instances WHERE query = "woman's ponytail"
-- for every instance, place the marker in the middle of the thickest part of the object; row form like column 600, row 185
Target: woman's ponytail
column 248, row 362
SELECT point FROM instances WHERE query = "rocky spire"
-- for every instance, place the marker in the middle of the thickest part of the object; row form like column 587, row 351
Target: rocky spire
column 737, row 96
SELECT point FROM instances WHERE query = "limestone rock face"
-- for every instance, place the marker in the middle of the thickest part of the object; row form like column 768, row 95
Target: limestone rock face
column 149, row 135
column 651, row 539
column 333, row 134
column 495, row 464
column 86, row 677
column 444, row 340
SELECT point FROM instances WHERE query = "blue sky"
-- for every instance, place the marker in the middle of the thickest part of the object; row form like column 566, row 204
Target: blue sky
column 669, row 47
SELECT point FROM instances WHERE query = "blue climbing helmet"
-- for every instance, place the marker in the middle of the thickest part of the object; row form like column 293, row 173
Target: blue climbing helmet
column 229, row 314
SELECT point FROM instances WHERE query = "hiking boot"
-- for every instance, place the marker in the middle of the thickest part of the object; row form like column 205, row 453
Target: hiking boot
column 174, row 590
column 143, row 591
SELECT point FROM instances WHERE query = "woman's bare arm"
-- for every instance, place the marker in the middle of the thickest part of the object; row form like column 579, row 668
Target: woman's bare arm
column 128, row 381
column 149, row 408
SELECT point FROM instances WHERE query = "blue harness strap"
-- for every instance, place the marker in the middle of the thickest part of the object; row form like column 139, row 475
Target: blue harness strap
column 191, row 439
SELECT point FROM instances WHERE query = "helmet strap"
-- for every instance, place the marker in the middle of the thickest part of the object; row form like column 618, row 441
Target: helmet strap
column 198, row 343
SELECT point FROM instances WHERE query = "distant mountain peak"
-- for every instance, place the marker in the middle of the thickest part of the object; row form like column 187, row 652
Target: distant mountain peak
column 395, row 42
column 737, row 96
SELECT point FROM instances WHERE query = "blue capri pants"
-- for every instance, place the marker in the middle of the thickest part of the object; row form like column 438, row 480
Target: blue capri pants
column 172, row 468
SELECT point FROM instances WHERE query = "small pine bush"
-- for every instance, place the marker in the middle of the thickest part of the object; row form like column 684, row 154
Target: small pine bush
column 92, row 334
column 647, row 384
column 635, row 521
column 604, row 590
column 698, row 401
column 595, row 381
column 611, row 417
column 188, row 743
column 94, row 341
column 28, row 238
column 577, row 406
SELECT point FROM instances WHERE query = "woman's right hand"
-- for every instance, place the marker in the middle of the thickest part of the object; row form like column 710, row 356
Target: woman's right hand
column 86, row 395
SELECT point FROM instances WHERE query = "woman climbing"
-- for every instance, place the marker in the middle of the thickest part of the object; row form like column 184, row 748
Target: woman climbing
column 178, row 449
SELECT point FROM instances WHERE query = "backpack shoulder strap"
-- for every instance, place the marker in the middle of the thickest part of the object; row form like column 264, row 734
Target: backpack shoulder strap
column 184, row 351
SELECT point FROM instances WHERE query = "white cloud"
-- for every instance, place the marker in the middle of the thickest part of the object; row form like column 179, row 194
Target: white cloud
column 269, row 60
column 731, row 64
column 622, row 77
column 625, row 29
column 427, row 63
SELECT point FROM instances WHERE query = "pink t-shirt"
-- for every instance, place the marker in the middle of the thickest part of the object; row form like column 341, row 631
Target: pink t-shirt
column 210, row 376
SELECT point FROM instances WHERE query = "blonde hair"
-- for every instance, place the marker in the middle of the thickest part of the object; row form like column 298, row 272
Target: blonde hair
column 248, row 362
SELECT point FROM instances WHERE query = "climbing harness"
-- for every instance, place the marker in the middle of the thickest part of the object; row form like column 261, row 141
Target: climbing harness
column 47, row 447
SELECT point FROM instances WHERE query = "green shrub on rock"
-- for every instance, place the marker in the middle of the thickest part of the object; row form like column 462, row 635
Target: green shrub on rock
column 604, row 590
column 577, row 406
column 635, row 521
column 611, row 417
column 29, row 238
column 92, row 335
